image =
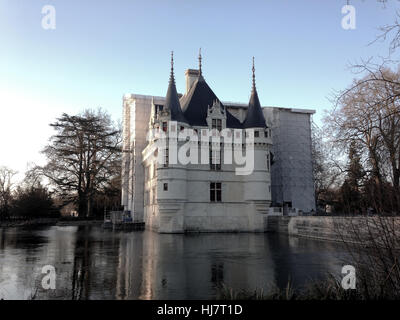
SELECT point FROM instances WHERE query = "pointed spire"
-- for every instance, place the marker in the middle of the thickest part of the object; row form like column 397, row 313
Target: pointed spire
column 254, row 76
column 200, row 78
column 255, row 117
column 172, row 101
column 200, row 72
column 172, row 77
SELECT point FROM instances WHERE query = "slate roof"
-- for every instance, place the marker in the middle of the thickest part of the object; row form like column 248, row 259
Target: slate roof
column 196, row 102
column 172, row 101
column 255, row 117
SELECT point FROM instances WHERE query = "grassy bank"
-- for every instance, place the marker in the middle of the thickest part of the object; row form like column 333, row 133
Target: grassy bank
column 328, row 289
column 49, row 221
column 31, row 222
column 318, row 290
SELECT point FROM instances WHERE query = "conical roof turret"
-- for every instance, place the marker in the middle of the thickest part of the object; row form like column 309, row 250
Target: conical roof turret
column 255, row 117
column 172, row 101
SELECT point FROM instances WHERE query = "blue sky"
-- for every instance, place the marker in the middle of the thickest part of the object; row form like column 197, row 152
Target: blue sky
column 101, row 50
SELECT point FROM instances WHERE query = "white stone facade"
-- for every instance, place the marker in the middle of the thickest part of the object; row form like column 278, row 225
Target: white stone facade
column 176, row 198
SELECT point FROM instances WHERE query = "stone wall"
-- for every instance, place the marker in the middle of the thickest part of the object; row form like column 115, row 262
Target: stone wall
column 350, row 229
column 276, row 224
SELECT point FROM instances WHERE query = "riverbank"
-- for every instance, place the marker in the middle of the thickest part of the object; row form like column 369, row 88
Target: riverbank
column 25, row 223
column 358, row 230
column 48, row 222
column 79, row 222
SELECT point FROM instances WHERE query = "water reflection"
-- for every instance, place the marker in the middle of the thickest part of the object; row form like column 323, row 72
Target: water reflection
column 92, row 263
column 301, row 260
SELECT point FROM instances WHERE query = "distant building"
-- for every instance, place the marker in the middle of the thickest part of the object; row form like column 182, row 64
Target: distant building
column 176, row 197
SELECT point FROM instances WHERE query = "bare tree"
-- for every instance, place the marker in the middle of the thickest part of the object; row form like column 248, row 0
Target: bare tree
column 392, row 32
column 373, row 245
column 83, row 157
column 6, row 184
column 326, row 173
column 368, row 115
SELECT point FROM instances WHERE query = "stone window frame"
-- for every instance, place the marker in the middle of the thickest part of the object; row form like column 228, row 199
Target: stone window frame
column 166, row 158
column 216, row 124
column 216, row 155
column 215, row 191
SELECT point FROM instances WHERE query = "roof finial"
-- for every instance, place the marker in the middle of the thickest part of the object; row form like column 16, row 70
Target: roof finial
column 200, row 73
column 172, row 78
column 254, row 76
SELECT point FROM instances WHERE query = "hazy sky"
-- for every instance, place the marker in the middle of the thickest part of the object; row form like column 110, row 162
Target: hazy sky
column 101, row 50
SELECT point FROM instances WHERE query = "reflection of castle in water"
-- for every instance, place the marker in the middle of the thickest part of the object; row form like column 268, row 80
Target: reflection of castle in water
column 192, row 267
column 93, row 263
column 302, row 259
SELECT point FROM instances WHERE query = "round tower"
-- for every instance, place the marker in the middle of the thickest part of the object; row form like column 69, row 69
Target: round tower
column 257, row 186
column 171, row 175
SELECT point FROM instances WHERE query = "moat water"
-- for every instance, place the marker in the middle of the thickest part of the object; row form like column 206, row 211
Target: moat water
column 93, row 263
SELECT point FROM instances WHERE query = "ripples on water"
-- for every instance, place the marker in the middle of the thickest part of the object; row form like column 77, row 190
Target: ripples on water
column 93, row 263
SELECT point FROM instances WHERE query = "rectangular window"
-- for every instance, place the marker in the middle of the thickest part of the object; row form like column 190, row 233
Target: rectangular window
column 216, row 124
column 165, row 186
column 215, row 192
column 268, row 162
column 215, row 159
column 164, row 126
column 219, row 191
column 166, row 157
column 266, row 133
column 256, row 134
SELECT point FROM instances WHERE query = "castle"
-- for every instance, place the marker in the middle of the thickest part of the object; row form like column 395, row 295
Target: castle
column 180, row 170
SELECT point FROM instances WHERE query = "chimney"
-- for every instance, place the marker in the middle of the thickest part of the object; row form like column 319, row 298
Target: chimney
column 191, row 75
